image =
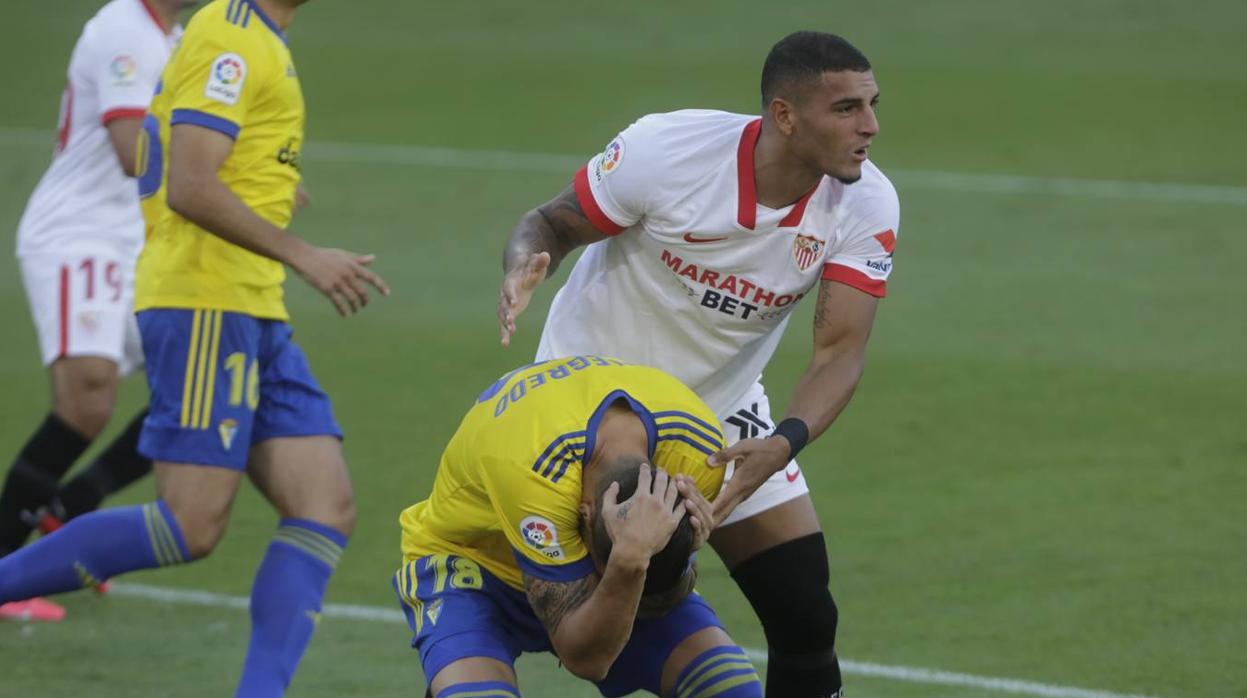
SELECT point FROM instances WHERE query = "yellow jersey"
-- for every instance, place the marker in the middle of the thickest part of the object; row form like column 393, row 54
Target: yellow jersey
column 508, row 487
column 234, row 74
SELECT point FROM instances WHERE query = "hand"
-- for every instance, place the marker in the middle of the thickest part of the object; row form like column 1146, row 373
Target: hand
column 301, row 198
column 517, row 291
column 700, row 514
column 340, row 275
column 756, row 460
column 643, row 523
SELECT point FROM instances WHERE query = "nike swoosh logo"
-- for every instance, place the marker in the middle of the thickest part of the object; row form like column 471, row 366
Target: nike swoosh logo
column 792, row 477
column 688, row 237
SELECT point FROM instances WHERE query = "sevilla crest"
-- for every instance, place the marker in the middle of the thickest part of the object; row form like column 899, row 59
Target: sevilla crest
column 806, row 250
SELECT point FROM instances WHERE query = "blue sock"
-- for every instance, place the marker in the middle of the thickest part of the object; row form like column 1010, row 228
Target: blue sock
column 93, row 548
column 285, row 603
column 722, row 671
column 480, row 689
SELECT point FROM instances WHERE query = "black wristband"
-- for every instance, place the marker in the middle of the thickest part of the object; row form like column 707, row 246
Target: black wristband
column 796, row 432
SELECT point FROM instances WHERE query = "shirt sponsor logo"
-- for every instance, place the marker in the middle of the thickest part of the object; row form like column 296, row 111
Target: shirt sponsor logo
column 806, row 250
column 229, row 72
column 124, row 70
column 541, row 535
column 728, row 293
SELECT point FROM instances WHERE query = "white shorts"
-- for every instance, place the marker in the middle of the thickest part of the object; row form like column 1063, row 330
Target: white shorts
column 750, row 418
column 82, row 302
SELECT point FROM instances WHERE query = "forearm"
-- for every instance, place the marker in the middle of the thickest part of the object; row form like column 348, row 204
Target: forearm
column 825, row 388
column 590, row 637
column 209, row 204
column 533, row 234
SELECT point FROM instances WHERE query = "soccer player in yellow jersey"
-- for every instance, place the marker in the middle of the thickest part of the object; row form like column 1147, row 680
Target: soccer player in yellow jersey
column 230, row 391
column 548, row 530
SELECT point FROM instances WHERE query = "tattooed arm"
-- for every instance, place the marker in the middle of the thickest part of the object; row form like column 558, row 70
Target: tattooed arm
column 590, row 620
column 543, row 237
column 843, row 319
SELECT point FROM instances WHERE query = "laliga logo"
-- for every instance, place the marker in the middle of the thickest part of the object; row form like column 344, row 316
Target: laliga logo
column 228, row 71
column 538, row 535
column 123, row 67
column 612, row 156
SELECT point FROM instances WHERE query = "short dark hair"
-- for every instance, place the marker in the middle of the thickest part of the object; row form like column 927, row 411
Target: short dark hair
column 668, row 565
column 802, row 57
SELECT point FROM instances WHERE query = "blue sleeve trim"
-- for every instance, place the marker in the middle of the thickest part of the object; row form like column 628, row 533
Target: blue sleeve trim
column 690, row 442
column 710, row 441
column 206, row 120
column 566, row 572
column 676, row 413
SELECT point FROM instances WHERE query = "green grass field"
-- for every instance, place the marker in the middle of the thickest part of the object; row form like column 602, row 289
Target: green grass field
column 1042, row 476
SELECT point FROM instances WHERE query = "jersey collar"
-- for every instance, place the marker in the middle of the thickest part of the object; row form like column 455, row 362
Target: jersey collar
column 591, row 429
column 151, row 12
column 255, row 7
column 746, row 187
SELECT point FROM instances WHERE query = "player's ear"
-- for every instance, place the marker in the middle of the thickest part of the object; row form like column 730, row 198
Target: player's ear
column 588, row 514
column 782, row 114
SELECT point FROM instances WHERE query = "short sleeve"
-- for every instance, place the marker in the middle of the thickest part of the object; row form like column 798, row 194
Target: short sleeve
column 543, row 530
column 614, row 187
column 216, row 83
column 864, row 259
column 126, row 76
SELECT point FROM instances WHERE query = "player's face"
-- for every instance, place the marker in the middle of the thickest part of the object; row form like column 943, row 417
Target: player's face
column 834, row 123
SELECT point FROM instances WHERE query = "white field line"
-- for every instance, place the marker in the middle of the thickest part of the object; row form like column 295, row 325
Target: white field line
column 883, row 671
column 504, row 161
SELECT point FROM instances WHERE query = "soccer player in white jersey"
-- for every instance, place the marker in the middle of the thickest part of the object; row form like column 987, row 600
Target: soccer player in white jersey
column 77, row 243
column 704, row 230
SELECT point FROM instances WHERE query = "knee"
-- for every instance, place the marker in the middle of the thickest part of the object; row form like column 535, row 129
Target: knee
column 202, row 527
column 84, row 400
column 788, row 588
column 336, row 511
column 342, row 514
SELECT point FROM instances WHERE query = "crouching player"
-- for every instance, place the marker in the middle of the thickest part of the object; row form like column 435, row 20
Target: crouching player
column 549, row 530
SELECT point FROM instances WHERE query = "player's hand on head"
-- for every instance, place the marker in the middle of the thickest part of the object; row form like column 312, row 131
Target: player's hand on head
column 700, row 512
column 342, row 276
column 517, row 290
column 643, row 523
column 756, row 461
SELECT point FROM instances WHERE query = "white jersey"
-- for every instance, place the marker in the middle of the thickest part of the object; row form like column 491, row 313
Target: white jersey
column 85, row 196
column 698, row 278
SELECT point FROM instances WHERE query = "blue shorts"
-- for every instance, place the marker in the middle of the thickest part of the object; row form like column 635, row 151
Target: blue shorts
column 221, row 382
column 475, row 614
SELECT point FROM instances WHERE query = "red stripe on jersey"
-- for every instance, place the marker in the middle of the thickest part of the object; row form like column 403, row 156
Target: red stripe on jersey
column 793, row 219
column 151, row 12
column 589, row 205
column 856, row 279
column 64, row 312
column 746, row 189
column 67, row 115
column 123, row 113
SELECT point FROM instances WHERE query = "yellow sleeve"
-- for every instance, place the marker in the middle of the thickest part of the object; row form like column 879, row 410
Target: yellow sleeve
column 219, row 75
column 541, row 523
column 686, row 438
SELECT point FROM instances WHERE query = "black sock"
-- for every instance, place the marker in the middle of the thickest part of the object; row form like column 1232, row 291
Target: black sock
column 119, row 465
column 33, row 479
